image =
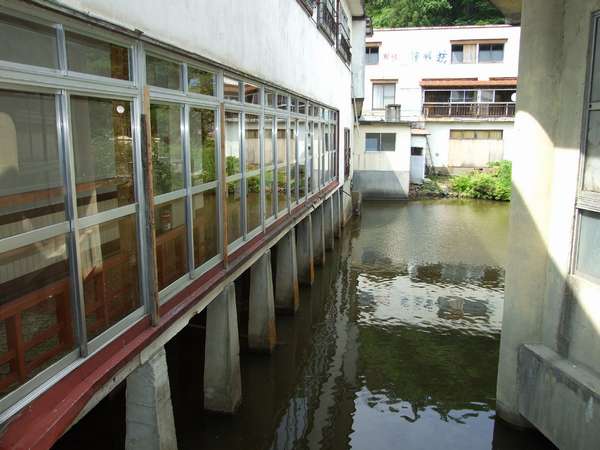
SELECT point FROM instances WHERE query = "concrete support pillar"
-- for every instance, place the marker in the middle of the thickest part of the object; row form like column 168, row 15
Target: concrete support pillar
column 304, row 251
column 222, row 378
column 287, row 295
column 262, row 334
column 337, row 213
column 149, row 413
column 318, row 234
column 328, row 223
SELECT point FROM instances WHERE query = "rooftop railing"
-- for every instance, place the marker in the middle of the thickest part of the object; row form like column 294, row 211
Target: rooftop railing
column 469, row 110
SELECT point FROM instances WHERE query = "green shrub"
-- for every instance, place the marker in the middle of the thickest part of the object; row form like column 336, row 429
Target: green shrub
column 492, row 185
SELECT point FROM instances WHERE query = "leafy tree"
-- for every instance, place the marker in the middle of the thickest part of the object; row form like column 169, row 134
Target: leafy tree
column 412, row 13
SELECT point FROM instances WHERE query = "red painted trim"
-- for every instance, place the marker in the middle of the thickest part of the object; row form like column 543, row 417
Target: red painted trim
column 46, row 418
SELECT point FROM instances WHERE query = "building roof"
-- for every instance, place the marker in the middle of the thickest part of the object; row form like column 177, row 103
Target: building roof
column 468, row 82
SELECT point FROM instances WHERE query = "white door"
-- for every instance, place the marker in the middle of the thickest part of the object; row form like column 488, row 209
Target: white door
column 417, row 165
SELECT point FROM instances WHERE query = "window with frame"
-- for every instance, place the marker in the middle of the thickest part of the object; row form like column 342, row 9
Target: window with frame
column 372, row 55
column 383, row 94
column 491, row 53
column 488, row 135
column 586, row 261
column 380, row 142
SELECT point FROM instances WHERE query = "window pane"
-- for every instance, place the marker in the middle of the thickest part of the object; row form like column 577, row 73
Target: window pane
column 293, row 104
column 269, row 189
column 96, row 57
column 282, row 101
column 163, row 73
column 202, row 146
column 253, row 202
column 485, row 53
column 301, row 106
column 293, row 162
column 372, row 142
column 497, row 52
column 588, row 258
column 487, row 96
column 102, row 145
column 232, row 143
column 281, row 189
column 281, row 138
column 35, row 300
column 28, row 43
column 201, row 81
column 302, row 158
column 234, row 211
column 388, row 142
column 595, row 94
column 171, row 242
column 167, row 152
column 457, row 54
column 110, row 273
column 270, row 98
column 251, row 93
column 457, row 96
column 252, row 142
column 31, row 186
column 268, row 136
column 206, row 226
column 591, row 177
column 377, row 96
column 471, row 96
column 231, row 89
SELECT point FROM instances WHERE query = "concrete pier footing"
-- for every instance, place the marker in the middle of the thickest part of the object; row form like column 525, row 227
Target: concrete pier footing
column 328, row 223
column 287, row 294
column 262, row 335
column 222, row 377
column 149, row 413
column 318, row 234
column 304, row 252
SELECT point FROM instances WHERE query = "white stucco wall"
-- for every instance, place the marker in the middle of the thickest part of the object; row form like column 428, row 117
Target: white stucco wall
column 397, row 161
column 273, row 40
column 412, row 54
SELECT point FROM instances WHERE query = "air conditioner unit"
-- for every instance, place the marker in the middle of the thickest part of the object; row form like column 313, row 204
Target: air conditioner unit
column 392, row 113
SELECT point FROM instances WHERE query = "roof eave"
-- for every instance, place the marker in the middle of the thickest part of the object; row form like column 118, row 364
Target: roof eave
column 511, row 10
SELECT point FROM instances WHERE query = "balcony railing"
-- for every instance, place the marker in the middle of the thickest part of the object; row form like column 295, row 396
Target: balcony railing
column 327, row 19
column 469, row 110
column 309, row 5
column 343, row 43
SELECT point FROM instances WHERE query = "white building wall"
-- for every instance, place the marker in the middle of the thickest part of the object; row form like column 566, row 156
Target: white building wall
column 412, row 54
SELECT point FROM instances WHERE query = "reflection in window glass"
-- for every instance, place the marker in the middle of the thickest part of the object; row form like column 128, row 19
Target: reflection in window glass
column 316, row 155
column 282, row 101
column 269, row 98
column 310, row 156
column 281, row 141
column 302, row 106
column 281, row 189
column 201, row 81
column 251, row 142
column 206, row 226
column 293, row 163
column 301, row 159
column 253, row 202
column 231, row 89
column 109, row 266
column 34, row 282
column 202, row 146
column 293, row 104
column 171, row 242
column 588, row 258
column 269, row 198
column 96, row 57
column 232, row 143
column 591, row 177
column 167, row 151
column 163, row 73
column 26, row 42
column 268, row 136
column 31, row 187
column 102, row 144
column 595, row 94
column 234, row 211
column 251, row 93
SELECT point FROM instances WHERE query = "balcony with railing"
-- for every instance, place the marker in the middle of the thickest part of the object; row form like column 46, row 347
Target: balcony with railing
column 469, row 110
column 327, row 20
column 343, row 42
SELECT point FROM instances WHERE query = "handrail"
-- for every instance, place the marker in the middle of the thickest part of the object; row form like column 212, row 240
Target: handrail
column 479, row 110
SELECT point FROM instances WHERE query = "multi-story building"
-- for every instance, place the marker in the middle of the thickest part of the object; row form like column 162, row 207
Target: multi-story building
column 442, row 97
column 150, row 153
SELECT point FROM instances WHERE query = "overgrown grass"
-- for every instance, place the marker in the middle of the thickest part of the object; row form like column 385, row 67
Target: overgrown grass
column 494, row 184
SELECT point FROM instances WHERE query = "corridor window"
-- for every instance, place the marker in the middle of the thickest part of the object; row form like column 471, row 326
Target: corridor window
column 491, row 53
column 380, row 142
column 201, row 81
column 231, row 89
column 27, row 42
column 96, row 57
column 163, row 73
column 167, row 149
column 372, row 55
column 383, row 95
column 586, row 260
